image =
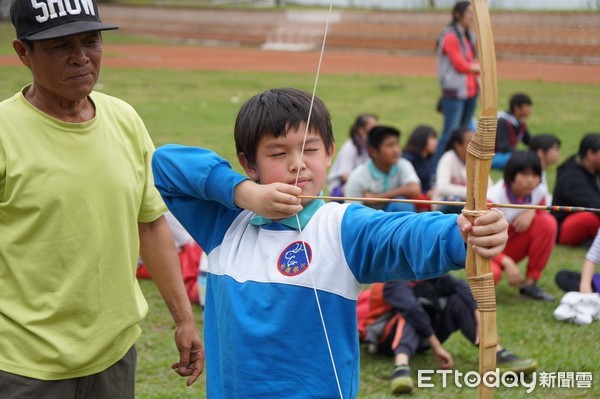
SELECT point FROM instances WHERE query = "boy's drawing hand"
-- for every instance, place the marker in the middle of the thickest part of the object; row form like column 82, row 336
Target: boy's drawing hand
column 488, row 235
column 272, row 201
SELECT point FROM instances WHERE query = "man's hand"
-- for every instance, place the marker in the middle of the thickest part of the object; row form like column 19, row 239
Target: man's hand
column 272, row 201
column 191, row 352
column 488, row 235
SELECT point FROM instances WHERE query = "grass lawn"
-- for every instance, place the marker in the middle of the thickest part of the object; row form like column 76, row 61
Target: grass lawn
column 199, row 108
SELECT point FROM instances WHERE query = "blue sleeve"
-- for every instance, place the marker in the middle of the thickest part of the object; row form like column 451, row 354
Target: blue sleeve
column 197, row 186
column 382, row 246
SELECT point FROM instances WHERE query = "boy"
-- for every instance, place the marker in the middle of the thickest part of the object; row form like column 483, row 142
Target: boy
column 512, row 128
column 386, row 174
column 531, row 233
column 547, row 148
column 408, row 317
column 273, row 288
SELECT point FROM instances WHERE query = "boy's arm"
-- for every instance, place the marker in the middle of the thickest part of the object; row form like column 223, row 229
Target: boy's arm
column 197, row 187
column 382, row 246
column 205, row 194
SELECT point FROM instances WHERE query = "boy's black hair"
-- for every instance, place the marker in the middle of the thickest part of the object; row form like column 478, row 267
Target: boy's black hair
column 589, row 142
column 457, row 137
column 520, row 161
column 418, row 139
column 517, row 100
column 274, row 113
column 544, row 142
column 379, row 133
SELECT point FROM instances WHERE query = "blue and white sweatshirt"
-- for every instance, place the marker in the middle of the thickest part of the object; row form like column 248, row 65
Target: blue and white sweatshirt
column 262, row 331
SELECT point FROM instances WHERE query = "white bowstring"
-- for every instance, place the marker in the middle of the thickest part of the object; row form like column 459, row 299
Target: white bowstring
column 314, row 285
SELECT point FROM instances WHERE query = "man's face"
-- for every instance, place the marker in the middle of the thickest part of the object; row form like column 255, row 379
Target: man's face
column 65, row 68
column 278, row 159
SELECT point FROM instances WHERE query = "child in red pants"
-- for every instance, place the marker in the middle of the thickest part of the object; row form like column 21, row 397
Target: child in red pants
column 531, row 233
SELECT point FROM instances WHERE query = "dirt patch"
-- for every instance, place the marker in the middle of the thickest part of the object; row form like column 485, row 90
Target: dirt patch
column 336, row 62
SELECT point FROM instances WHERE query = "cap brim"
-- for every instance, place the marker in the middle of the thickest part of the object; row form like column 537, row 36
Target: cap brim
column 68, row 29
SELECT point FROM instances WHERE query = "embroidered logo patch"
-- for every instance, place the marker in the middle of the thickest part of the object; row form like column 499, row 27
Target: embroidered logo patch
column 292, row 260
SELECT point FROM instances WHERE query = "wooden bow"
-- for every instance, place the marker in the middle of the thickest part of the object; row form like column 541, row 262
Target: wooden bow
column 479, row 158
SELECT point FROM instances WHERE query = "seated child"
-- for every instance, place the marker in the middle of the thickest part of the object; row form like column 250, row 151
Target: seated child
column 451, row 176
column 404, row 318
column 531, row 233
column 547, row 148
column 419, row 151
column 512, row 128
column 284, row 273
column 386, row 174
column 352, row 153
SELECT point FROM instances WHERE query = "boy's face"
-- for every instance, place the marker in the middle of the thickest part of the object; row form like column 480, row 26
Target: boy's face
column 388, row 152
column 277, row 160
column 523, row 112
column 551, row 156
column 525, row 182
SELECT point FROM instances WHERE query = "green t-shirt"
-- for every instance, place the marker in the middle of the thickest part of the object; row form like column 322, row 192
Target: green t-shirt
column 71, row 197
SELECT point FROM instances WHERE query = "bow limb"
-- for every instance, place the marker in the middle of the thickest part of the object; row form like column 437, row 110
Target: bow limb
column 479, row 158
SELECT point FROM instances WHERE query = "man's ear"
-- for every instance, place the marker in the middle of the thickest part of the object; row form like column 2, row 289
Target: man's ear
column 22, row 51
column 249, row 168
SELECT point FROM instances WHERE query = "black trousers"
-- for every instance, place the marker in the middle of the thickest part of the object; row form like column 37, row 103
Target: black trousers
column 455, row 316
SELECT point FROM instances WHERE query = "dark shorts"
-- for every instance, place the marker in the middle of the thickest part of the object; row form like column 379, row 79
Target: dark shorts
column 116, row 382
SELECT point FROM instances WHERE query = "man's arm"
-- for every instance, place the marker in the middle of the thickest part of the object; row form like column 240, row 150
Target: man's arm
column 160, row 257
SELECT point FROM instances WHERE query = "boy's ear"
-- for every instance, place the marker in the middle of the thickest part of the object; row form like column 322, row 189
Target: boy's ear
column 249, row 168
column 330, row 154
column 372, row 151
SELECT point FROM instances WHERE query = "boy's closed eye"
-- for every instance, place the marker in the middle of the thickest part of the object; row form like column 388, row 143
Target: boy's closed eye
column 276, row 155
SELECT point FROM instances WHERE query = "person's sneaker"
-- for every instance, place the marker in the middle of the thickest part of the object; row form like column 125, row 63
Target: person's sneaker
column 401, row 380
column 508, row 361
column 534, row 291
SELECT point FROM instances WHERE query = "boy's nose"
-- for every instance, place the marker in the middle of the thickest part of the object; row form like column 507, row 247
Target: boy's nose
column 298, row 162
